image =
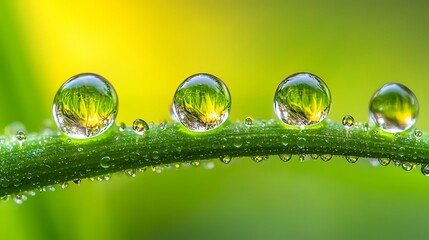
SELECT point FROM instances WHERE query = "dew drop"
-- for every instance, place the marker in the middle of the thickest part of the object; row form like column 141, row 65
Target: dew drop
column 248, row 122
column 425, row 170
column 302, row 99
column 301, row 158
column 77, row 181
column 163, row 125
column 394, row 108
column 21, row 136
column 225, row 159
column 314, row 156
column 177, row 165
column 202, row 102
column 384, row 161
column 196, row 163
column 155, row 155
column 140, row 126
column 85, row 106
column 260, row 158
column 64, row 185
column 408, row 166
column 285, row 157
column 348, row 121
column 130, row 172
column 418, row 133
column 105, row 162
column 352, row 159
column 326, row 157
column 122, row 126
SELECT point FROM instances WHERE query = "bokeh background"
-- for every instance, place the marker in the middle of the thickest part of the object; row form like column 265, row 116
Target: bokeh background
column 146, row 48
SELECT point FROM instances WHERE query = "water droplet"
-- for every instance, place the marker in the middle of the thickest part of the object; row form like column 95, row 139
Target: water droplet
column 394, row 108
column 352, row 159
column 365, row 126
column 140, row 126
column 326, row 157
column 85, row 106
column 418, row 133
column 64, row 185
column 408, row 166
column 260, row 158
column 21, row 136
column 301, row 158
column 163, row 125
column 425, row 170
column 177, row 165
column 77, row 180
column 195, row 163
column 302, row 99
column 384, row 161
column 202, row 102
column 19, row 198
column 122, row 126
column 142, row 169
column 285, row 157
column 155, row 155
column 314, row 156
column 348, row 121
column 225, row 159
column 397, row 163
column 248, row 122
column 105, row 162
column 130, row 172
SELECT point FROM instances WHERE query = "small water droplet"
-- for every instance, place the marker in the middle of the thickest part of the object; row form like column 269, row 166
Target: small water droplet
column 140, row 126
column 326, row 157
column 418, row 133
column 348, row 121
column 155, row 155
column 80, row 149
column 19, row 199
column 21, row 135
column 85, row 106
column 130, row 172
column 51, row 188
column 248, row 122
column 163, row 125
column 302, row 99
column 260, row 158
column 352, row 159
column 177, row 165
column 122, row 126
column 425, row 170
column 77, row 181
column 384, row 161
column 314, row 156
column 285, row 140
column 285, row 157
column 301, row 158
column 408, row 166
column 64, row 185
column 202, row 102
column 195, row 163
column 142, row 169
column 105, row 162
column 397, row 163
column 225, row 159
column 394, row 108
column 365, row 126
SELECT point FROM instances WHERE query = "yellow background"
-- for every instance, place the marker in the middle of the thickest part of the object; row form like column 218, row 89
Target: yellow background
column 146, row 48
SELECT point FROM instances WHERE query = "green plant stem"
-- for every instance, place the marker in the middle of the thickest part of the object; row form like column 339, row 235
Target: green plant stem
column 48, row 159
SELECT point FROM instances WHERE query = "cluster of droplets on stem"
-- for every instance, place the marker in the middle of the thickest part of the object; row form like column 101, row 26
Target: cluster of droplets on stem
column 86, row 106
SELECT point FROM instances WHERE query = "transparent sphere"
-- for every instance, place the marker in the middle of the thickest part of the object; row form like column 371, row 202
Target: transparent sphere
column 85, row 106
column 201, row 103
column 302, row 99
column 394, row 108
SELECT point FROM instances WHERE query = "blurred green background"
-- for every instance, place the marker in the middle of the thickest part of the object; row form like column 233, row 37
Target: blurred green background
column 146, row 48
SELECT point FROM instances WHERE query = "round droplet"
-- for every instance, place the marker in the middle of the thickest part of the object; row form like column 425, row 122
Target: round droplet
column 85, row 106
column 408, row 166
column 122, row 126
column 202, row 102
column 425, row 170
column 195, row 163
column 130, row 172
column 348, row 121
column 248, row 122
column 105, row 162
column 77, row 180
column 394, row 108
column 21, row 136
column 352, row 159
column 302, row 99
column 260, row 158
column 314, row 156
column 384, row 161
column 326, row 157
column 140, row 126
column 225, row 159
column 418, row 133
column 64, row 185
column 285, row 157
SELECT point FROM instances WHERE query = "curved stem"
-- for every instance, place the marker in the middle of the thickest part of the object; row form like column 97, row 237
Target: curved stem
column 47, row 159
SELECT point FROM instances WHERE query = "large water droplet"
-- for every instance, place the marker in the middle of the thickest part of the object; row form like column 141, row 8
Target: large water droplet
column 394, row 108
column 140, row 126
column 408, row 166
column 302, row 99
column 85, row 106
column 202, row 102
column 352, row 159
column 425, row 169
